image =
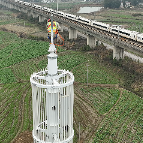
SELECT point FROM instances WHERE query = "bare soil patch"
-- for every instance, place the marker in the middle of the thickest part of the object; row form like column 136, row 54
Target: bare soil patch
column 24, row 32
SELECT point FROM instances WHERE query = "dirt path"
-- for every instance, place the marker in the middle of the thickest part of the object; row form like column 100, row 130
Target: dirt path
column 121, row 92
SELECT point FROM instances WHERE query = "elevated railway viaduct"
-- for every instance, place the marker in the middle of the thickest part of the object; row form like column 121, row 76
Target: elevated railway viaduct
column 120, row 44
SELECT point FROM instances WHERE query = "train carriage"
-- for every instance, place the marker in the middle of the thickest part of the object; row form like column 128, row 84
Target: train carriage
column 128, row 34
column 37, row 6
column 20, row 2
column 140, row 37
column 100, row 25
column 45, row 8
column 116, row 29
column 60, row 13
column 27, row 3
column 71, row 16
column 84, row 20
column 16, row 0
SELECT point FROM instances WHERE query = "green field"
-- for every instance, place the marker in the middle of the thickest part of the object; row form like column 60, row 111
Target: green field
column 131, row 19
column 106, row 112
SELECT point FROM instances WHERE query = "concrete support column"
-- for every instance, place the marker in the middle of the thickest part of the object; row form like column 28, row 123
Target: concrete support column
column 7, row 5
column 1, row 2
column 72, row 33
column 11, row 6
column 19, row 9
column 34, row 15
column 91, row 41
column 118, row 52
column 29, row 13
column 15, row 7
column 24, row 10
column 41, row 18
column 62, row 27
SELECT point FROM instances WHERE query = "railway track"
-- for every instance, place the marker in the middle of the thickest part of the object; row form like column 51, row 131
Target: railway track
column 112, row 35
column 46, row 13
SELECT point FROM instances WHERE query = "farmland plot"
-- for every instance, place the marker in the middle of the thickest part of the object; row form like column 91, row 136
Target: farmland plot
column 102, row 99
column 11, row 110
column 22, row 50
column 7, row 39
column 124, row 123
column 90, row 106
column 105, row 112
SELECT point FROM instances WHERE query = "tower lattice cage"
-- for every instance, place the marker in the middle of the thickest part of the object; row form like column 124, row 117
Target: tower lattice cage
column 52, row 107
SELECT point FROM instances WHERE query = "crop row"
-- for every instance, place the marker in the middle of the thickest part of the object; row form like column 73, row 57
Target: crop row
column 6, row 75
column 28, row 115
column 67, row 61
column 100, row 75
column 5, row 52
column 24, row 70
column 102, row 99
column 7, row 38
column 23, row 50
column 61, row 58
column 11, row 112
column 5, row 100
column 4, row 22
column 28, row 49
column 124, row 122
column 72, row 62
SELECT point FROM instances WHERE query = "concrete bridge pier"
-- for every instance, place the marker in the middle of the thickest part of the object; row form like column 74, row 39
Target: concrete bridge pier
column 4, row 3
column 29, row 12
column 72, row 33
column 11, row 6
column 15, row 7
column 34, row 15
column 62, row 27
column 1, row 2
column 24, row 10
column 7, row 5
column 19, row 9
column 98, row 42
column 118, row 52
column 41, row 18
column 91, row 41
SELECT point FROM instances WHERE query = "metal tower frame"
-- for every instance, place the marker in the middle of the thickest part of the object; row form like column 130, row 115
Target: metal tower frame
column 52, row 100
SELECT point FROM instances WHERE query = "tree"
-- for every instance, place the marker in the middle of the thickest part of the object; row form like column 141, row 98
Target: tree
column 112, row 3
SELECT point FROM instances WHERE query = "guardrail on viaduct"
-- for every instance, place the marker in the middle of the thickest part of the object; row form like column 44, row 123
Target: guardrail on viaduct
column 92, row 33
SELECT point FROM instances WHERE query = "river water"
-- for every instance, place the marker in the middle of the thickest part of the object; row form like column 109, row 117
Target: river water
column 88, row 9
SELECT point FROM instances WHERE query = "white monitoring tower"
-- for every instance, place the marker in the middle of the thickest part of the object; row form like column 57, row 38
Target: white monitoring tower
column 52, row 99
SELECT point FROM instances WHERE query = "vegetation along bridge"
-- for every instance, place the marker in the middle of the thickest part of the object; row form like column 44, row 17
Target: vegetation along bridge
column 93, row 33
